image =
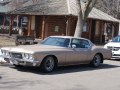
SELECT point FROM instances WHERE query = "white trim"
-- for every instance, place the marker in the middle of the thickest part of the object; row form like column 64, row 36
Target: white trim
column 68, row 4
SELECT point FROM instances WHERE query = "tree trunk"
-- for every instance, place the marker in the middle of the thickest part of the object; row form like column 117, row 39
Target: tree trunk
column 79, row 26
column 83, row 15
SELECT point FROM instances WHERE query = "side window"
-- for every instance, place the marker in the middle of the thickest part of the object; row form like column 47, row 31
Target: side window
column 76, row 42
column 80, row 43
column 85, row 44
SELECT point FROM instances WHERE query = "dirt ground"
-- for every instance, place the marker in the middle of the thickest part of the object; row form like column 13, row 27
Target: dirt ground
column 6, row 40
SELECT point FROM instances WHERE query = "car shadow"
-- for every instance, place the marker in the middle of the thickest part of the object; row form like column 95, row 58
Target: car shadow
column 65, row 69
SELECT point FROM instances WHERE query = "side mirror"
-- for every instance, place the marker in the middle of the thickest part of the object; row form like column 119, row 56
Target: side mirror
column 73, row 46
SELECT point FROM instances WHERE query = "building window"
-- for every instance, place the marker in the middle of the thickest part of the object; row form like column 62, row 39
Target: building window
column 57, row 29
column 85, row 27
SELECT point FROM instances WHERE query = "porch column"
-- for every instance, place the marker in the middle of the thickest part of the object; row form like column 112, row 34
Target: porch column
column 68, row 26
column 89, row 27
column 101, row 31
column 43, row 28
column 4, row 18
column 119, row 29
column 29, row 25
column 17, row 21
column 11, row 22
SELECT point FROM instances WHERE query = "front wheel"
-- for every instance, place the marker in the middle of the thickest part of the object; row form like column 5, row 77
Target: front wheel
column 96, row 60
column 17, row 66
column 48, row 64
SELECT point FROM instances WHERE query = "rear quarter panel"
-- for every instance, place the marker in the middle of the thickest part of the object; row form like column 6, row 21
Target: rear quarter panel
column 107, row 54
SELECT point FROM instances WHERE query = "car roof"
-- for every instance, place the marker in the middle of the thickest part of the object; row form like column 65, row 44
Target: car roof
column 69, row 37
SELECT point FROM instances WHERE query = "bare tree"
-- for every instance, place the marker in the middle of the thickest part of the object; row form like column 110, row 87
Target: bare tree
column 83, row 14
column 111, row 7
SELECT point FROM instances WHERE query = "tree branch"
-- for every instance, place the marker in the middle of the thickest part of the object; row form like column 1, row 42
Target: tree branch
column 88, row 7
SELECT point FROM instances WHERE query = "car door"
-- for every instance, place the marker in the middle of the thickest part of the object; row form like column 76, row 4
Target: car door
column 79, row 53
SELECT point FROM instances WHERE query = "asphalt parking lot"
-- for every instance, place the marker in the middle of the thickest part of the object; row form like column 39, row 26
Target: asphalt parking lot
column 82, row 77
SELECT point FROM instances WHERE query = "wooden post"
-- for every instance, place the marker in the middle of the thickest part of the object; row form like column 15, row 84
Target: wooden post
column 101, row 31
column 29, row 25
column 89, row 27
column 43, row 27
column 68, row 26
column 11, row 22
column 4, row 17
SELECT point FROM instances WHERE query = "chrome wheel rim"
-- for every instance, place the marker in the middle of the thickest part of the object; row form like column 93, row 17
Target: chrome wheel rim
column 49, row 64
column 97, row 60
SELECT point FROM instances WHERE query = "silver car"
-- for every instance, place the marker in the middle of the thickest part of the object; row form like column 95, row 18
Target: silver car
column 56, row 51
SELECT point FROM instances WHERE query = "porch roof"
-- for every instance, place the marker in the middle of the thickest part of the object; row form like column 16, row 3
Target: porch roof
column 3, row 9
column 60, row 7
column 97, row 14
column 44, row 7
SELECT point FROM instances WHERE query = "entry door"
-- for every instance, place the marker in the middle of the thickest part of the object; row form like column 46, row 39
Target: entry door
column 38, row 26
column 96, row 32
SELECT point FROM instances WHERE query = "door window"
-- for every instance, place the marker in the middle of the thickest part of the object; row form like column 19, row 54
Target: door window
column 80, row 43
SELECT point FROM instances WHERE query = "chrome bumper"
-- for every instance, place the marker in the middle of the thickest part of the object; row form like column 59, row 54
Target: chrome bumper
column 22, row 62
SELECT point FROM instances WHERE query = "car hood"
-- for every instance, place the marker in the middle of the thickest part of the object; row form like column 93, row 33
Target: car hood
column 112, row 44
column 33, row 48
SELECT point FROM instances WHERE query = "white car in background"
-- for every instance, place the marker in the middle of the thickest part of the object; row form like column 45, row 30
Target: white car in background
column 114, row 46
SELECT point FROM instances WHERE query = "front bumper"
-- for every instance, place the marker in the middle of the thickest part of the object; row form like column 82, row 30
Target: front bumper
column 22, row 62
column 115, row 55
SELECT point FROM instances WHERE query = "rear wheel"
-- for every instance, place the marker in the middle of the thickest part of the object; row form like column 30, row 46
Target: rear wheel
column 48, row 64
column 96, row 60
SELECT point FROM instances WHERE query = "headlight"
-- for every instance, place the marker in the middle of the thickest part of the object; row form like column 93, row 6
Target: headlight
column 5, row 53
column 2, row 52
column 28, row 56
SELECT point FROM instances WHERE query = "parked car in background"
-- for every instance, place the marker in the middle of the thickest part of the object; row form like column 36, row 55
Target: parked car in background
column 114, row 46
column 56, row 51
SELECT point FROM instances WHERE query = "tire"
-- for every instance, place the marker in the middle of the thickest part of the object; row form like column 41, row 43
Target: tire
column 96, row 60
column 17, row 66
column 48, row 64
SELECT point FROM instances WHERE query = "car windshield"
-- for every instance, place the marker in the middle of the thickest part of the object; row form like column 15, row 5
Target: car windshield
column 56, row 41
column 116, row 39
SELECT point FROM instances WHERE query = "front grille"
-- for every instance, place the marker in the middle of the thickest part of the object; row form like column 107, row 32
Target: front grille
column 116, row 54
column 113, row 48
column 16, row 55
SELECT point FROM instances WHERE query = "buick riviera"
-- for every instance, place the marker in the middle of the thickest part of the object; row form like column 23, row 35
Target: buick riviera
column 56, row 51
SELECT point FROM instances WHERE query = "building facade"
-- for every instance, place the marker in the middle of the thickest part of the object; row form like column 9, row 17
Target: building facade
column 59, row 17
